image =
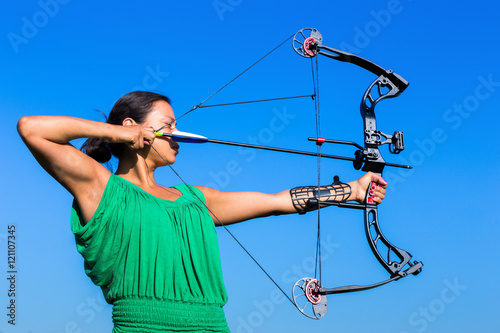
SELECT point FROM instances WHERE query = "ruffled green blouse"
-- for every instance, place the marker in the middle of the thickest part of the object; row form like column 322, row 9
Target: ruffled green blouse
column 157, row 261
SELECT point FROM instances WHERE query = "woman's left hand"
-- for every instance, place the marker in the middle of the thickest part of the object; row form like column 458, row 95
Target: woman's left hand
column 377, row 188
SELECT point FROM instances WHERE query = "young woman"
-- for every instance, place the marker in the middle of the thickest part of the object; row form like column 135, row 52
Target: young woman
column 153, row 249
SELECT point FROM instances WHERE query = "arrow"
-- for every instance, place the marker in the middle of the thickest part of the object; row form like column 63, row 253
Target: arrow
column 179, row 136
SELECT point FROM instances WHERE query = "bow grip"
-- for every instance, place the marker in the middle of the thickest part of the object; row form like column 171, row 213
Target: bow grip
column 369, row 198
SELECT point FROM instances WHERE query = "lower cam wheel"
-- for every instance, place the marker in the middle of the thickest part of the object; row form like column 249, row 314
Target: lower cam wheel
column 309, row 291
column 311, row 305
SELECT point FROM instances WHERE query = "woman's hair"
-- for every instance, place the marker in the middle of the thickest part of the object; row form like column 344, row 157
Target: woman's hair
column 135, row 105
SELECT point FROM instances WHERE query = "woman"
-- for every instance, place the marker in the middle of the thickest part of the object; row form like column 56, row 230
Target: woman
column 153, row 249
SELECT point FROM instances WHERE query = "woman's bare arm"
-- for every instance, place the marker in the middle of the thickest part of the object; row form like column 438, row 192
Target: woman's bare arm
column 48, row 137
column 233, row 207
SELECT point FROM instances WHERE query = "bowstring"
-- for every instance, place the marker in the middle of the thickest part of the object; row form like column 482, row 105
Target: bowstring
column 222, row 224
column 317, row 112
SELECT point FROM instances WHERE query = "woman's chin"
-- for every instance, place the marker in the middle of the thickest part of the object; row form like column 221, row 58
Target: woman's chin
column 171, row 160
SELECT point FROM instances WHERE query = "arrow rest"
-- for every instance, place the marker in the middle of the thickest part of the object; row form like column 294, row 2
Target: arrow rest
column 359, row 159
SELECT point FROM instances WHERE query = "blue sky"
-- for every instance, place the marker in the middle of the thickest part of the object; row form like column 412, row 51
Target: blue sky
column 74, row 57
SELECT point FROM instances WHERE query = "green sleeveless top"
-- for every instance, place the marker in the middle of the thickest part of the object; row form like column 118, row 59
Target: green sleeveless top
column 157, row 261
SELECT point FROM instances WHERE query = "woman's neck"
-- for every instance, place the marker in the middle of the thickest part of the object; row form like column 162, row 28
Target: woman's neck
column 135, row 169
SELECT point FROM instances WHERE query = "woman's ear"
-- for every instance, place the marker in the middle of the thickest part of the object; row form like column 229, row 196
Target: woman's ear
column 128, row 122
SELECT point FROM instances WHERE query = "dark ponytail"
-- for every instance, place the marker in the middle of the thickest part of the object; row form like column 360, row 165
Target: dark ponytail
column 135, row 105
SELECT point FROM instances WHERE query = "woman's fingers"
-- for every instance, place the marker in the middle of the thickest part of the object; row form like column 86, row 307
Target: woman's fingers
column 377, row 192
column 375, row 185
column 138, row 136
column 149, row 135
column 378, row 179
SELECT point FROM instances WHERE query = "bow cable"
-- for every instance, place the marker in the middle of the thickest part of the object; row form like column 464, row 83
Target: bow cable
column 254, row 101
column 236, row 77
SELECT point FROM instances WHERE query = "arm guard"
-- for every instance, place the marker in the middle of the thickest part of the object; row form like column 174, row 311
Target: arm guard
column 305, row 198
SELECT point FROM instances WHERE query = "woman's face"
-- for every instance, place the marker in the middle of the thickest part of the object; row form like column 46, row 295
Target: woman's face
column 162, row 116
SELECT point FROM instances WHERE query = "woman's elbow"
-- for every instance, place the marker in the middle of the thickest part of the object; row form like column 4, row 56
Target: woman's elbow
column 25, row 126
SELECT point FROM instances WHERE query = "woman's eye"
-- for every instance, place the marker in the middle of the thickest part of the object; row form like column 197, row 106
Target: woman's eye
column 170, row 125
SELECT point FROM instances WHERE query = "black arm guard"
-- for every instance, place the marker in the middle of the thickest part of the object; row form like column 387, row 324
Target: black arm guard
column 305, row 198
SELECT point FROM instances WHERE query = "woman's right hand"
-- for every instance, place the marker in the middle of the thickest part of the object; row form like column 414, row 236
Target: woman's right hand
column 134, row 136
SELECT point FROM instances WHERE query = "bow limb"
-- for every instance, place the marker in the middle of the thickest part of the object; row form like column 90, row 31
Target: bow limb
column 397, row 262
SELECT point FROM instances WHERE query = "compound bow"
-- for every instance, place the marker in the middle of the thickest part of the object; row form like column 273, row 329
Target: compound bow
column 388, row 84
column 308, row 43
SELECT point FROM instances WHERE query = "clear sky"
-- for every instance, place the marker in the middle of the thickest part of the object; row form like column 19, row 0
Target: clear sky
column 62, row 57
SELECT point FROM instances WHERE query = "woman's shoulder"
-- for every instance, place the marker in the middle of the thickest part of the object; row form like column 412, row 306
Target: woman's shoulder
column 191, row 191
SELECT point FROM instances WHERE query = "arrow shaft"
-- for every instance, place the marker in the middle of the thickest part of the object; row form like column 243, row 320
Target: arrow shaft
column 299, row 152
column 192, row 138
column 283, row 150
